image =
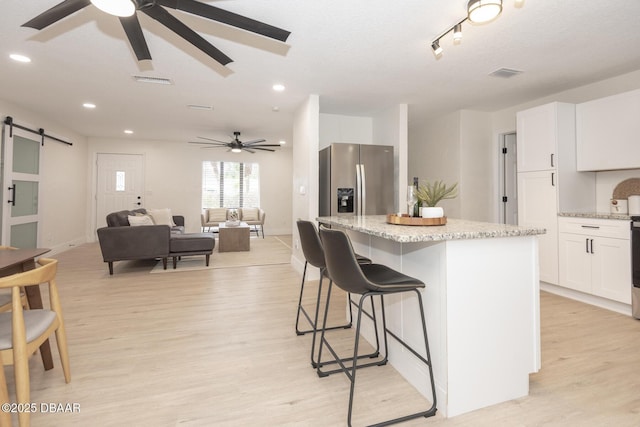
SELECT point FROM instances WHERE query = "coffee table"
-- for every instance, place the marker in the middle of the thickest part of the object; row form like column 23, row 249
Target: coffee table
column 233, row 238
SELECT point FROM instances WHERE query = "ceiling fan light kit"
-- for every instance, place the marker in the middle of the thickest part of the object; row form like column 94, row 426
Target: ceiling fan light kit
column 126, row 11
column 478, row 12
column 115, row 7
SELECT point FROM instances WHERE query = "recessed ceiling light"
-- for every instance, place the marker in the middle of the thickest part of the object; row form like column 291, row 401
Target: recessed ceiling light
column 128, row 132
column 275, row 109
column 278, row 87
column 19, row 58
column 89, row 105
column 283, row 142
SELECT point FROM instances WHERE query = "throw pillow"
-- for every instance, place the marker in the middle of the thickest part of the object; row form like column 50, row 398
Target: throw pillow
column 250, row 214
column 161, row 216
column 217, row 214
column 137, row 220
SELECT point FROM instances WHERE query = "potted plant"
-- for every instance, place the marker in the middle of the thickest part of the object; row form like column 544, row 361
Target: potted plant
column 431, row 193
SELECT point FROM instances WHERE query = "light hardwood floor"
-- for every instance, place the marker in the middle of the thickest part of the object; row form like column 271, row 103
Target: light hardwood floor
column 218, row 348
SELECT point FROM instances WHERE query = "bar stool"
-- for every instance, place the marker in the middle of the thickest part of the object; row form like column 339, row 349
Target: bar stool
column 369, row 281
column 314, row 255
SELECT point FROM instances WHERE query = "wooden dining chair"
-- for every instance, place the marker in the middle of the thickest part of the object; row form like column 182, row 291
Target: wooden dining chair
column 23, row 331
column 5, row 297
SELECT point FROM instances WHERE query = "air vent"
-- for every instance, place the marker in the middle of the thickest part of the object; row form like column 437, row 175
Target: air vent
column 505, row 73
column 156, row 80
column 200, row 107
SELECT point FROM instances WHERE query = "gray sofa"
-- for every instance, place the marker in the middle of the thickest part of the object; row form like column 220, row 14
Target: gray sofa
column 119, row 241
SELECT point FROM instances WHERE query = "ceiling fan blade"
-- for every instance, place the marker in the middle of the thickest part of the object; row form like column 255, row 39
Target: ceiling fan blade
column 254, row 141
column 165, row 18
column 266, row 145
column 56, row 13
column 248, row 149
column 226, row 17
column 220, row 144
column 263, row 149
column 211, row 139
column 132, row 27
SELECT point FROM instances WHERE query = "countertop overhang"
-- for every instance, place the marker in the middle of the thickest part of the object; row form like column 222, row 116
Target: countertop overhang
column 455, row 229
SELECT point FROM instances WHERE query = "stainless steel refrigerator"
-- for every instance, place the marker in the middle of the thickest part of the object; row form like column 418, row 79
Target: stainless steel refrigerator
column 356, row 179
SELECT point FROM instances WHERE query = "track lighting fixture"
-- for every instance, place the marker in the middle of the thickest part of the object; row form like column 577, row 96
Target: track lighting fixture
column 478, row 11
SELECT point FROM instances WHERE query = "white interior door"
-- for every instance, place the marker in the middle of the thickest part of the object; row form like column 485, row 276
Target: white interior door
column 120, row 184
column 21, row 186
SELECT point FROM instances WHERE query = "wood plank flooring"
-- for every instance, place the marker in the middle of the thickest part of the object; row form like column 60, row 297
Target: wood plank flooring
column 218, row 348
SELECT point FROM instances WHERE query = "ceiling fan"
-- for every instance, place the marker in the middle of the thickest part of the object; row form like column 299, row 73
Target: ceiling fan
column 236, row 145
column 156, row 10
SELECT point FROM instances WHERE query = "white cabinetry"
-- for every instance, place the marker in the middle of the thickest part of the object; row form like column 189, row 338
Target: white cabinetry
column 548, row 182
column 607, row 132
column 538, row 207
column 595, row 257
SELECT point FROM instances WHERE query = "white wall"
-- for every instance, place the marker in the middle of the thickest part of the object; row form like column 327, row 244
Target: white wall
column 391, row 127
column 306, row 132
column 477, row 163
column 173, row 178
column 434, row 154
column 63, row 195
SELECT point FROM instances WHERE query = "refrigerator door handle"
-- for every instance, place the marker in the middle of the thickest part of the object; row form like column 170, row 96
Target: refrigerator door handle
column 363, row 188
column 358, row 190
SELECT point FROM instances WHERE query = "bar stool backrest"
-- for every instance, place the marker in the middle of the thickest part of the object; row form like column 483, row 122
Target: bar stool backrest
column 311, row 244
column 342, row 265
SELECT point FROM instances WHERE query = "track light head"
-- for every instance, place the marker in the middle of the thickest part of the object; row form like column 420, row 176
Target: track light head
column 480, row 11
column 457, row 33
column 437, row 50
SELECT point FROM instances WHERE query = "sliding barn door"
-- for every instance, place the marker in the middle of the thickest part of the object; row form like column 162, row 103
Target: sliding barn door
column 20, row 190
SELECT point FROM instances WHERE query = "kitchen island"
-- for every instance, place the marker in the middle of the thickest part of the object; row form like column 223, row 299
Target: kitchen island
column 481, row 305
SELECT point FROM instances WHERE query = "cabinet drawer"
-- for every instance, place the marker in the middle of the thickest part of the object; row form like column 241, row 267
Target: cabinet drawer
column 617, row 229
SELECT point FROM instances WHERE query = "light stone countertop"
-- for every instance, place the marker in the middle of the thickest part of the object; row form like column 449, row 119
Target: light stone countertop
column 594, row 215
column 455, row 229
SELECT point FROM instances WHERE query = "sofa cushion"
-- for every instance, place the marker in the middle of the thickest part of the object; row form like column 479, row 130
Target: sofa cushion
column 136, row 220
column 217, row 214
column 161, row 217
column 250, row 214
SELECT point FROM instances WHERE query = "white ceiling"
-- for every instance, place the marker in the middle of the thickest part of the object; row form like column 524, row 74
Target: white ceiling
column 359, row 56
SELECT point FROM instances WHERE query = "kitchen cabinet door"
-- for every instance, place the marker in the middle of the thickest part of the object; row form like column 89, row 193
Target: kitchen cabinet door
column 575, row 262
column 611, row 269
column 538, row 207
column 537, row 138
column 607, row 132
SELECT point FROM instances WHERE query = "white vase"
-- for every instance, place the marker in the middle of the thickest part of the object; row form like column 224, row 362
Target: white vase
column 432, row 212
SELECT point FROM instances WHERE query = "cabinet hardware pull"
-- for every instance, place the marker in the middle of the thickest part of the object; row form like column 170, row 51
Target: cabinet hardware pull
column 553, row 184
column 552, row 165
column 591, row 226
column 586, row 245
column 591, row 245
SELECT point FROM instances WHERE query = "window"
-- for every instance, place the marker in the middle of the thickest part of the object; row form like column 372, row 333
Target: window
column 230, row 185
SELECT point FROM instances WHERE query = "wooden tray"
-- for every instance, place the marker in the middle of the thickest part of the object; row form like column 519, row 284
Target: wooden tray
column 408, row 220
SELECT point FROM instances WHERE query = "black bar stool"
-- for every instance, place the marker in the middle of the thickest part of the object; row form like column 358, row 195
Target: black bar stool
column 368, row 281
column 314, row 255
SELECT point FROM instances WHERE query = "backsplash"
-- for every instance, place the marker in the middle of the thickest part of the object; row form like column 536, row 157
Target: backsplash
column 606, row 182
